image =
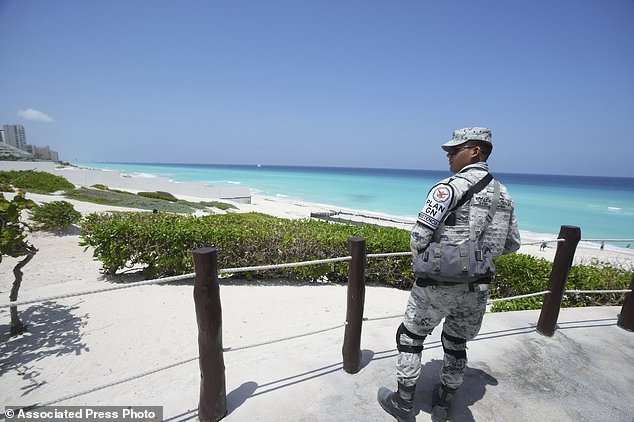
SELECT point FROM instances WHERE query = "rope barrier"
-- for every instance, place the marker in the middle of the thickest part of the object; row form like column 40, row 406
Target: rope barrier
column 289, row 265
column 250, row 346
column 111, row 384
column 234, row 349
column 385, row 317
column 598, row 291
column 565, row 291
column 175, row 364
column 171, row 279
column 262, row 268
column 234, row 270
column 543, row 241
column 385, row 255
column 607, row 240
column 105, row 289
column 517, row 297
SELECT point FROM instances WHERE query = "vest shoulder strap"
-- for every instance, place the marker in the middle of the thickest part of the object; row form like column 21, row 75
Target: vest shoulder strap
column 472, row 191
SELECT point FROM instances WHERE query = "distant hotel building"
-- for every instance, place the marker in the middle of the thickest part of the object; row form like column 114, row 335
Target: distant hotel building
column 45, row 153
column 13, row 146
column 14, row 135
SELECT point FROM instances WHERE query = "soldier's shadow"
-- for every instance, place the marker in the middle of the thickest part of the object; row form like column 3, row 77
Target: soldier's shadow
column 472, row 390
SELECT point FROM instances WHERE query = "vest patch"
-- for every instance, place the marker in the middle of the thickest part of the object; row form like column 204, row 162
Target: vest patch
column 436, row 206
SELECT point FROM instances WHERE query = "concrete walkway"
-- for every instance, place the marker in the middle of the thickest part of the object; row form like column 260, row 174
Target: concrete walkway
column 582, row 373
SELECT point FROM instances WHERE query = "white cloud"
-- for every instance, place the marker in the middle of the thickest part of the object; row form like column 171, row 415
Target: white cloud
column 35, row 115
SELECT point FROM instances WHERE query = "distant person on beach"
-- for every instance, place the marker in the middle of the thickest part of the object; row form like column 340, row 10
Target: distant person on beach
column 466, row 221
column 543, row 246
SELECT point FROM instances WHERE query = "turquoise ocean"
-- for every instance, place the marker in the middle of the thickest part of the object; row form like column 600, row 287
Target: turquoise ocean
column 602, row 206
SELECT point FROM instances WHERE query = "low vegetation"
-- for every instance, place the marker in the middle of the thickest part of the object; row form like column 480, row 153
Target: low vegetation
column 35, row 181
column 166, row 196
column 215, row 204
column 162, row 243
column 5, row 187
column 519, row 274
column 43, row 182
column 55, row 216
column 160, row 201
column 126, row 199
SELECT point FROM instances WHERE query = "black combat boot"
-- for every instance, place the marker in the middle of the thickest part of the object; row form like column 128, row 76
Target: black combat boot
column 440, row 402
column 399, row 404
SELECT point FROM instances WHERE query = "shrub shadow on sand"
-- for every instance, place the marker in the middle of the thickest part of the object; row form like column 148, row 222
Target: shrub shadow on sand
column 52, row 330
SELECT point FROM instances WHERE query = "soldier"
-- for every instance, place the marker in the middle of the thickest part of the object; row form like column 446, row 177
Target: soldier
column 467, row 220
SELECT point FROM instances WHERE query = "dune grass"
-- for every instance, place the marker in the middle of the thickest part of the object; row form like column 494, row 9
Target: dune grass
column 160, row 202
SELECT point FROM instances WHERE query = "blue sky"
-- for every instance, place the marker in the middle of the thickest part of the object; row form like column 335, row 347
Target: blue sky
column 326, row 83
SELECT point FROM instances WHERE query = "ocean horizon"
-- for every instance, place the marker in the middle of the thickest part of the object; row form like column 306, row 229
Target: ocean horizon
column 602, row 206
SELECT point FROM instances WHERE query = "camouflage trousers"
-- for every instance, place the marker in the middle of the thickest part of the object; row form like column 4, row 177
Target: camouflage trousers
column 427, row 306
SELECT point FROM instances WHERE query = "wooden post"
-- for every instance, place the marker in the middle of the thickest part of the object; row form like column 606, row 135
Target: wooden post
column 354, row 312
column 213, row 397
column 557, row 281
column 626, row 317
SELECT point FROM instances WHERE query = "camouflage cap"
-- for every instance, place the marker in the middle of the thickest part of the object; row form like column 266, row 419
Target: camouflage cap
column 466, row 134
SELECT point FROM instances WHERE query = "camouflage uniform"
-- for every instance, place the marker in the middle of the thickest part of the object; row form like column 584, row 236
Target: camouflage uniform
column 461, row 305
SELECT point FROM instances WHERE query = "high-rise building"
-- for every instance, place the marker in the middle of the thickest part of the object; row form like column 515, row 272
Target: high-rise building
column 14, row 135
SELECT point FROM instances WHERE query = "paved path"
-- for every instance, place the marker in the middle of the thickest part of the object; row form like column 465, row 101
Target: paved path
column 582, row 373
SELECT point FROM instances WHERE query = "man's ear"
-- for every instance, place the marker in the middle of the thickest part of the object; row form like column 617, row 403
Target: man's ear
column 475, row 154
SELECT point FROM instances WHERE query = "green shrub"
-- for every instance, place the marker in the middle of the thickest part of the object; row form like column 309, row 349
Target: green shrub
column 13, row 230
column 203, row 205
column 519, row 274
column 126, row 199
column 602, row 276
column 161, row 201
column 220, row 205
column 5, row 187
column 35, row 181
column 56, row 215
column 163, row 242
column 166, row 196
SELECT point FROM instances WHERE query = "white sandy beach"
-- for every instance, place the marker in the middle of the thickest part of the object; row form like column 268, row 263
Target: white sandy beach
column 81, row 343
